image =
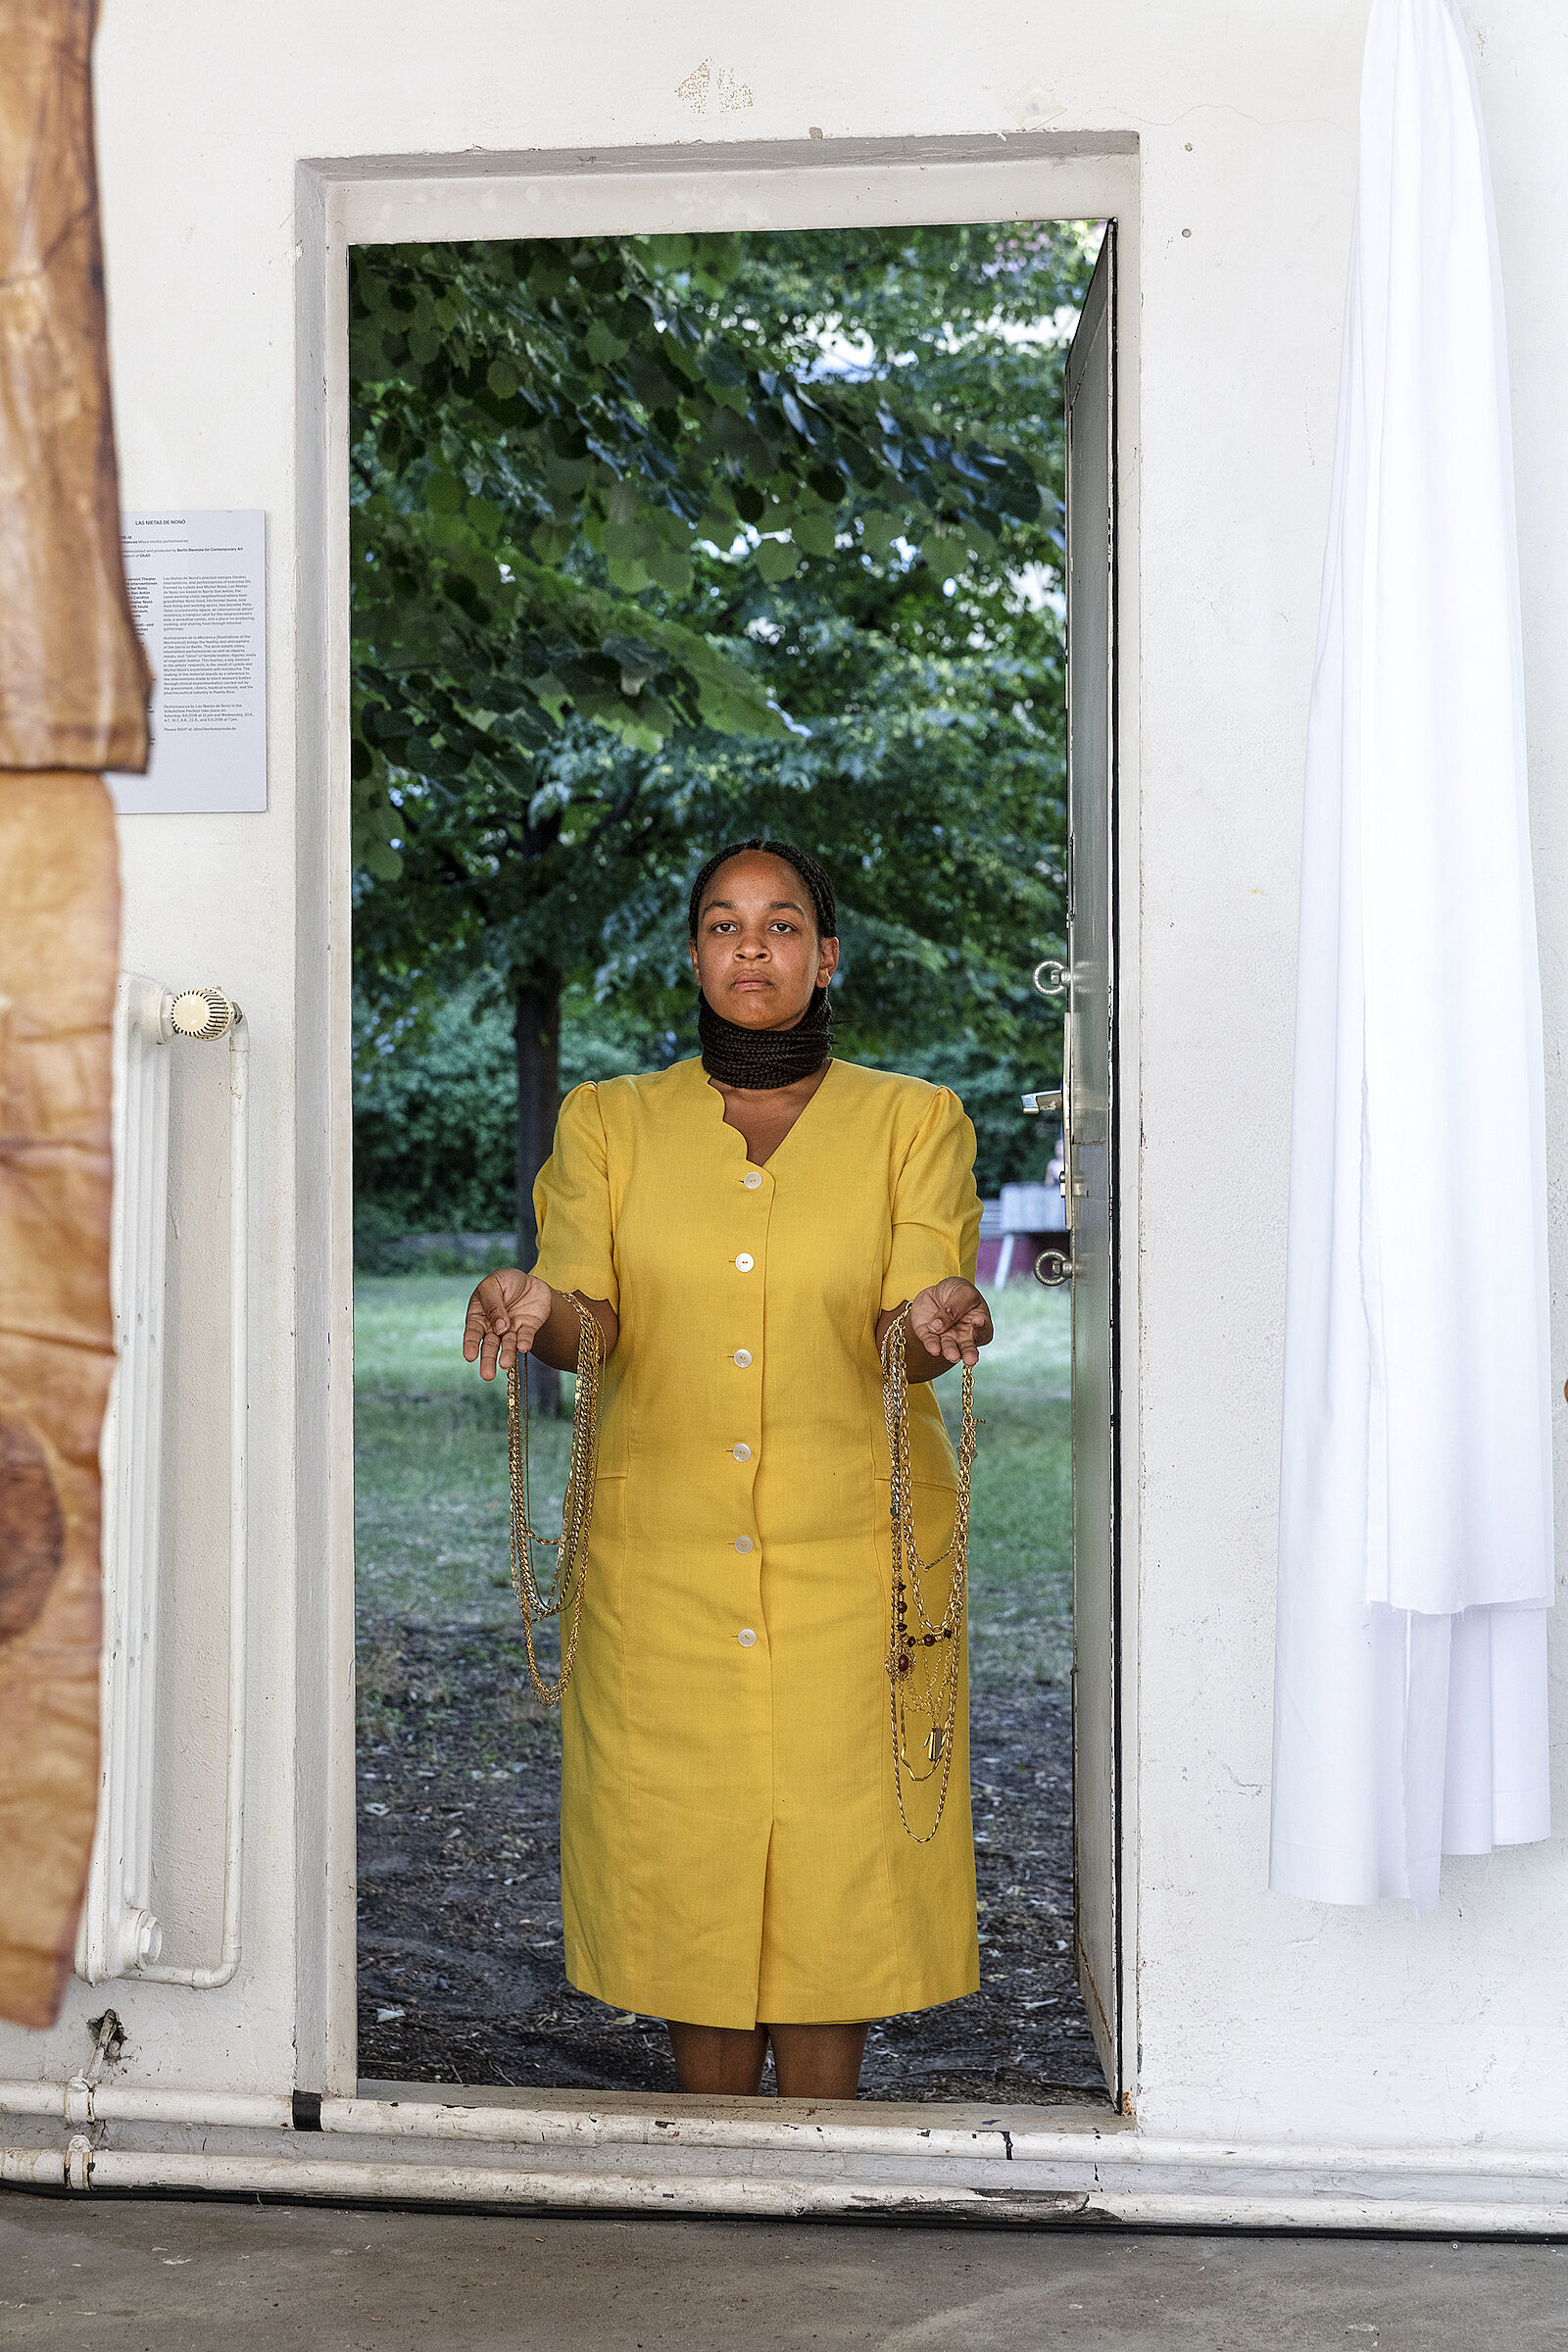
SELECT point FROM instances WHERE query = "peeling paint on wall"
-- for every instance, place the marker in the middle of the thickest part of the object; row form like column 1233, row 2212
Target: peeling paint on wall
column 707, row 87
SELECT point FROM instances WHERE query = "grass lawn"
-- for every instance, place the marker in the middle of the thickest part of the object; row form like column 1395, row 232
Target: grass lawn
column 430, row 1473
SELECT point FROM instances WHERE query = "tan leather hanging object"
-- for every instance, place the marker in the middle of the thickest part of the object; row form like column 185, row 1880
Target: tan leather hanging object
column 74, row 681
column 74, row 686
column 60, row 894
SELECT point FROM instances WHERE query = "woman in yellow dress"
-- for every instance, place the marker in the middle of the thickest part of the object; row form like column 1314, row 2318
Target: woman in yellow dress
column 744, row 1228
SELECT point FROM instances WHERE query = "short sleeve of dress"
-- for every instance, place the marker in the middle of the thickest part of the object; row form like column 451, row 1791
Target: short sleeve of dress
column 571, row 1203
column 936, row 1210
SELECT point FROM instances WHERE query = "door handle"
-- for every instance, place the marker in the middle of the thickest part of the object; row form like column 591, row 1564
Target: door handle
column 1035, row 1103
column 1053, row 1267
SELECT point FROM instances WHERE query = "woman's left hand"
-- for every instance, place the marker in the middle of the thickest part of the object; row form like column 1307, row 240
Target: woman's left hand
column 952, row 1321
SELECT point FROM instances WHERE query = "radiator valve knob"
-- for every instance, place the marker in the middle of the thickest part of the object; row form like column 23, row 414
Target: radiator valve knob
column 203, row 1013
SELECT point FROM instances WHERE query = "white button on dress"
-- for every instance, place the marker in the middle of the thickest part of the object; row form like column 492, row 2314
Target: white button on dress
column 743, row 1356
column 742, row 1453
column 742, row 1543
column 745, row 1262
column 746, row 1637
column 752, row 1179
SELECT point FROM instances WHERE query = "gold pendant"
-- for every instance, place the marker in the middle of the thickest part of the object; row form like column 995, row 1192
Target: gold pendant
column 936, row 1740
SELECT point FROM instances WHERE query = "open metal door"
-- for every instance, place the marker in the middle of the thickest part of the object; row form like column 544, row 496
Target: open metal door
column 1088, row 1113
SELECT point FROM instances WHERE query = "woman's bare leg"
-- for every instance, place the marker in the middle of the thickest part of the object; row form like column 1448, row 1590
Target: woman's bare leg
column 817, row 2062
column 720, row 2060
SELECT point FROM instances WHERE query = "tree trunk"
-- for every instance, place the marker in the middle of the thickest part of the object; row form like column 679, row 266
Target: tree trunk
column 536, row 1033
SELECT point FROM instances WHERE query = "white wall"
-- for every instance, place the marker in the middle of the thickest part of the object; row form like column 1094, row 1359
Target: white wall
column 1256, row 2016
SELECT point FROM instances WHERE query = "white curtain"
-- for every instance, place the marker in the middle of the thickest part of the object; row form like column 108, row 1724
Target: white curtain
column 1415, row 1560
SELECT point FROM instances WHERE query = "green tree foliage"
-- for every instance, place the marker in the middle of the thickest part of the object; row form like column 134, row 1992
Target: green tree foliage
column 660, row 541
column 435, row 1108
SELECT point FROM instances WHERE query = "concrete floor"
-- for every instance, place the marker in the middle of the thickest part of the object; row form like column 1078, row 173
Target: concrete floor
column 143, row 2277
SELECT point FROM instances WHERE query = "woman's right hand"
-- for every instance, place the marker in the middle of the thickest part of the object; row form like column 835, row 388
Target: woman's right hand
column 505, row 1316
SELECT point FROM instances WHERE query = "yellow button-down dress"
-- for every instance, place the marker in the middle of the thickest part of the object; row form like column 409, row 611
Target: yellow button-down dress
column 730, row 1843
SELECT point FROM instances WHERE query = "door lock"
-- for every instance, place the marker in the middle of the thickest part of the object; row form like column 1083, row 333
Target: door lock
column 1047, row 1104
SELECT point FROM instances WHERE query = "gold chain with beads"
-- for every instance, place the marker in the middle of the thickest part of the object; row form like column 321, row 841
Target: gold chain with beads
column 925, row 1654
column 571, row 1546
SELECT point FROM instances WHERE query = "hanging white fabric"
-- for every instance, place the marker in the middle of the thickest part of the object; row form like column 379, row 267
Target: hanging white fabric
column 1415, row 1517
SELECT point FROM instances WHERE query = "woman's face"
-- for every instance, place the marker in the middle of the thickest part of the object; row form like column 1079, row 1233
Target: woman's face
column 757, row 954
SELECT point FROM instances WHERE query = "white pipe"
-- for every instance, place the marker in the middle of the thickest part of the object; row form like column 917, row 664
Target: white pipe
column 82, row 2100
column 208, row 1979
column 34, row 2168
column 115, row 2103
column 1462, row 2161
column 1097, row 2152
column 33, row 2098
column 1097, row 2149
column 118, row 1930
column 301, row 2177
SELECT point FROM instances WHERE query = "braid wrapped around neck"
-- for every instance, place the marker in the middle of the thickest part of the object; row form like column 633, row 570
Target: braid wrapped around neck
column 762, row 1058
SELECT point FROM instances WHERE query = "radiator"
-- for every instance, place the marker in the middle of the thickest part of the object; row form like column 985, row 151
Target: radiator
column 118, row 1935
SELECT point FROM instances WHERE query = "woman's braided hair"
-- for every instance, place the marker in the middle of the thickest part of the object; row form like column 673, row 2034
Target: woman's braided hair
column 823, row 904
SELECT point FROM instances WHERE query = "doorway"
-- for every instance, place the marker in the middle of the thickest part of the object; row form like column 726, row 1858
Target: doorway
column 1012, row 1918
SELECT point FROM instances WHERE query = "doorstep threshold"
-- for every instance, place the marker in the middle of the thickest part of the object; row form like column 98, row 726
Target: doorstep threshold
column 624, row 2118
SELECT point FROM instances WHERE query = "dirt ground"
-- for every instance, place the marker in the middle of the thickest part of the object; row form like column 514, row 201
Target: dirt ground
column 460, row 1933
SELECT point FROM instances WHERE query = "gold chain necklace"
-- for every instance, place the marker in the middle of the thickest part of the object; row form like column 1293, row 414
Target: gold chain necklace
column 925, row 1654
column 571, row 1546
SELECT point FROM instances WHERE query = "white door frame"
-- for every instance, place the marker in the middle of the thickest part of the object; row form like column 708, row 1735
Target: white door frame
column 393, row 199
